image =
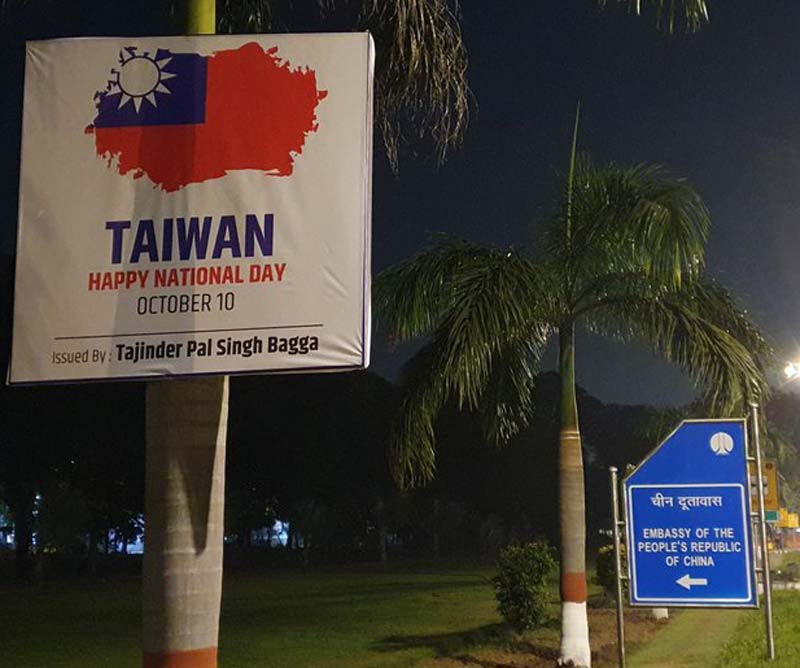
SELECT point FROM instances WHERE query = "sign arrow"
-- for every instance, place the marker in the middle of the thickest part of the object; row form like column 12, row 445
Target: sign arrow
column 687, row 582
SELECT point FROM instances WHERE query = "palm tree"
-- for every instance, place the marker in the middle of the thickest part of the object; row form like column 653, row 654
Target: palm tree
column 186, row 438
column 624, row 257
column 421, row 84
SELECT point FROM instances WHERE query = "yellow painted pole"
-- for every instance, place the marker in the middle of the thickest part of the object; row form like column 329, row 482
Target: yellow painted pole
column 201, row 17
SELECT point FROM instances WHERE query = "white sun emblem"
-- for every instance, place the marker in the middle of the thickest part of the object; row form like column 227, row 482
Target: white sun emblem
column 139, row 77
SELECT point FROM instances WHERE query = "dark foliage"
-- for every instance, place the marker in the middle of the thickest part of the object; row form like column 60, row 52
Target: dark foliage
column 521, row 586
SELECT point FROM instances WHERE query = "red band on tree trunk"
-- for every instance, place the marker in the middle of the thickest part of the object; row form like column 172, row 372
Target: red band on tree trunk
column 195, row 658
column 573, row 587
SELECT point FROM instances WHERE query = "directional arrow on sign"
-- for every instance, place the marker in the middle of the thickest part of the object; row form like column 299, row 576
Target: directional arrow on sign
column 687, row 582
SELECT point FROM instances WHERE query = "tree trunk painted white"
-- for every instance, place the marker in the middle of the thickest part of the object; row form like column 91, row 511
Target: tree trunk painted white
column 575, row 650
column 660, row 614
column 184, row 517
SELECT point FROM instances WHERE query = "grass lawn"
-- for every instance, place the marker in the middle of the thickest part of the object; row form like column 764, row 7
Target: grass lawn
column 268, row 621
column 693, row 639
column 353, row 620
column 343, row 619
column 748, row 648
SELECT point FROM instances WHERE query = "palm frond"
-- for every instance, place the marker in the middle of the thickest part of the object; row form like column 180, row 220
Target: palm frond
column 414, row 297
column 507, row 401
column 245, row 16
column 496, row 305
column 634, row 220
column 614, row 287
column 573, row 160
column 411, row 298
column 670, row 15
column 503, row 392
column 699, row 328
column 487, row 311
column 411, row 447
column 717, row 304
column 421, row 72
column 421, row 85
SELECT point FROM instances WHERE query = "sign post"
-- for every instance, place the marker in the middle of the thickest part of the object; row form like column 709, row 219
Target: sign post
column 618, row 567
column 688, row 520
column 763, row 531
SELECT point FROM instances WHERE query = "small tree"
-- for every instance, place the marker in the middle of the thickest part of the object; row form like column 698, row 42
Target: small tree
column 521, row 586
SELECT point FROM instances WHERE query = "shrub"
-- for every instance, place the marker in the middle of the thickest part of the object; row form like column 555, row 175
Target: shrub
column 521, row 586
column 606, row 570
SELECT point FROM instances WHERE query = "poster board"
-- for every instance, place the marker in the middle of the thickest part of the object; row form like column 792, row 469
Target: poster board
column 194, row 205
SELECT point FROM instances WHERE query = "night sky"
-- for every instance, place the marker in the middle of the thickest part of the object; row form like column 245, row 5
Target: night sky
column 721, row 107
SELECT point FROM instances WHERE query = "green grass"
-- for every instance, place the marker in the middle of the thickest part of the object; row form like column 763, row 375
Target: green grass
column 785, row 561
column 748, row 649
column 390, row 620
column 328, row 621
column 395, row 619
column 693, row 639
column 69, row 625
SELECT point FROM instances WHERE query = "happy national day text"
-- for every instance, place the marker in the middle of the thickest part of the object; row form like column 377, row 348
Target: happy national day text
column 188, row 239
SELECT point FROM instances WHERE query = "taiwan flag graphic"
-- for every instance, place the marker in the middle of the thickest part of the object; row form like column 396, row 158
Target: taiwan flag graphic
column 183, row 118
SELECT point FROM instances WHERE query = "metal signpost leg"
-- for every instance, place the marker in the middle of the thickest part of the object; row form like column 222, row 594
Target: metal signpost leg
column 766, row 578
column 618, row 567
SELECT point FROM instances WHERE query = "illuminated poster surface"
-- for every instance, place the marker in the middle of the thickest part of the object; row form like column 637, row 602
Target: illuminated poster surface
column 194, row 205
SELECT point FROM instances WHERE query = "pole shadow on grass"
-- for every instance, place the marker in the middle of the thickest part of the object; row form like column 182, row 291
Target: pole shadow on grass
column 456, row 645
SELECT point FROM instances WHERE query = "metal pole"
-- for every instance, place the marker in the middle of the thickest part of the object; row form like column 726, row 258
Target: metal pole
column 201, row 18
column 618, row 567
column 762, row 520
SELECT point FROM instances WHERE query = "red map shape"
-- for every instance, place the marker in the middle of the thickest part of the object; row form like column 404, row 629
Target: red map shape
column 258, row 114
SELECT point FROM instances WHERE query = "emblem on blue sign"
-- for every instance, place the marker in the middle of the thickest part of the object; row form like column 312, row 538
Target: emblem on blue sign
column 688, row 520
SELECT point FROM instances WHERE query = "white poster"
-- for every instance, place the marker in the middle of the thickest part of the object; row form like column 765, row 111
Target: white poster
column 194, row 205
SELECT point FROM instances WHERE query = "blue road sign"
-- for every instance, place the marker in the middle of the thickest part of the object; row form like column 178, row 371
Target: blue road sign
column 688, row 520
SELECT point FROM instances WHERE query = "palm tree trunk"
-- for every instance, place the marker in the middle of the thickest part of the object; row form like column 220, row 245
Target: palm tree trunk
column 184, row 515
column 187, row 424
column 572, row 514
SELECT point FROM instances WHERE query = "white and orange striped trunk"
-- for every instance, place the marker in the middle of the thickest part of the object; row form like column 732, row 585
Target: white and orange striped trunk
column 575, row 650
column 184, row 518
